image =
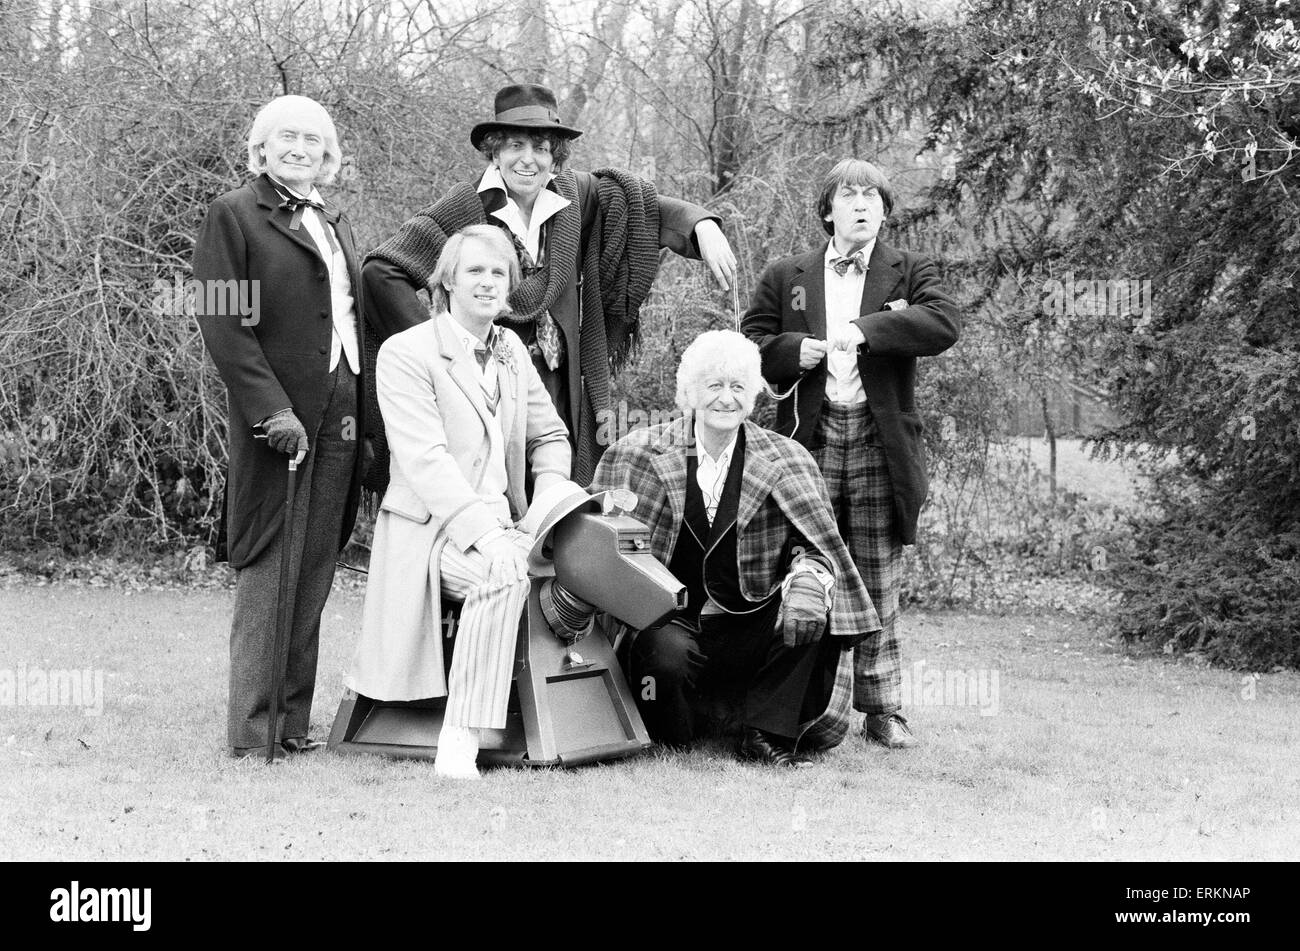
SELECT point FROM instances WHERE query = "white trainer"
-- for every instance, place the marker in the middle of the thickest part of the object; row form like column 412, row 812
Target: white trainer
column 457, row 751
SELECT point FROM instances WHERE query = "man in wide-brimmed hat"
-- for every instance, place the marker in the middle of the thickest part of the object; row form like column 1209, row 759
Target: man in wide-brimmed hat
column 550, row 213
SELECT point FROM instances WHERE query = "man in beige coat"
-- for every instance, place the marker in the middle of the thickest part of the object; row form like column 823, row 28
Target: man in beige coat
column 467, row 416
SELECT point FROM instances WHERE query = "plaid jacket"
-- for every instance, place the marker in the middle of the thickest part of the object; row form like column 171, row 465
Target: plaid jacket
column 782, row 494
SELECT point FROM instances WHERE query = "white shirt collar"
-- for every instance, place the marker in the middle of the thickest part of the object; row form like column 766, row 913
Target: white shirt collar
column 724, row 456
column 468, row 339
column 548, row 202
column 314, row 196
column 832, row 254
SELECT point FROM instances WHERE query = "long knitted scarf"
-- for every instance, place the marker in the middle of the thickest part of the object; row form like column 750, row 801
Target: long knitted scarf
column 419, row 242
column 618, row 268
column 620, row 265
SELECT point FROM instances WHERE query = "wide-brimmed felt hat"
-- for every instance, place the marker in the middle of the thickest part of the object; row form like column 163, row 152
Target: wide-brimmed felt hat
column 524, row 106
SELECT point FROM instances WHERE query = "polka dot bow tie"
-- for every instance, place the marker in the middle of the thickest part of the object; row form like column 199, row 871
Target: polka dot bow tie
column 842, row 264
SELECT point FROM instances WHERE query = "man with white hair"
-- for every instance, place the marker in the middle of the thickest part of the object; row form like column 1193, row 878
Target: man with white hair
column 740, row 515
column 292, row 363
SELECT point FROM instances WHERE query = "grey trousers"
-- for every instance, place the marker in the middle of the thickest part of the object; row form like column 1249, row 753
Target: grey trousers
column 321, row 495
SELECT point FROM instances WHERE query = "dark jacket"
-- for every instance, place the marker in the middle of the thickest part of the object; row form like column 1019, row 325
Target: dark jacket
column 394, row 306
column 274, row 359
column 789, row 305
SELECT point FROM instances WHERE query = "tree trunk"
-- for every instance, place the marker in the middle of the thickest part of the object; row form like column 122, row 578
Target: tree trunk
column 531, row 49
column 1049, row 431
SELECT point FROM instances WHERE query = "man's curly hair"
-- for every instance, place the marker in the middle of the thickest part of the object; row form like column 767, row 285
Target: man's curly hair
column 492, row 143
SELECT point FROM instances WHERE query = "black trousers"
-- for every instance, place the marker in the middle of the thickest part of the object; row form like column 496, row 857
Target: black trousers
column 781, row 684
column 319, row 502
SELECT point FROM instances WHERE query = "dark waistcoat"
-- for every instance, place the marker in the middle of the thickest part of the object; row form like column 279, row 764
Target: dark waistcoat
column 705, row 558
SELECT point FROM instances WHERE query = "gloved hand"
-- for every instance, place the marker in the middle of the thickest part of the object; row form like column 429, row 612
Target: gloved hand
column 284, row 433
column 803, row 613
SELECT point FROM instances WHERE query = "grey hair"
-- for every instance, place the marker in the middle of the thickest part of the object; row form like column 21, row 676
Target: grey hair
column 449, row 260
column 271, row 113
column 718, row 350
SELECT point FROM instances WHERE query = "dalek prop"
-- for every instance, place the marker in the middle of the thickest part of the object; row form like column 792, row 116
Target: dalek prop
column 592, row 575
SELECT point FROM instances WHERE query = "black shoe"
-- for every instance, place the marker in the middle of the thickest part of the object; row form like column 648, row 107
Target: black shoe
column 760, row 747
column 302, row 744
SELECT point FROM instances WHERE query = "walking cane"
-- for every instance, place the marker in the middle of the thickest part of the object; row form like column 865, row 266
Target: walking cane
column 284, row 610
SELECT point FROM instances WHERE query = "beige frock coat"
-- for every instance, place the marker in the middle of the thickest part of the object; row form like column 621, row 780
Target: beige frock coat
column 439, row 434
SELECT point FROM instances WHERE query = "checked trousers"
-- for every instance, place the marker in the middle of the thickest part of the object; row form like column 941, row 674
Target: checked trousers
column 847, row 449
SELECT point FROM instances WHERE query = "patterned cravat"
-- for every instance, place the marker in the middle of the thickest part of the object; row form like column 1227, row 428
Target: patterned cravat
column 548, row 335
column 841, row 264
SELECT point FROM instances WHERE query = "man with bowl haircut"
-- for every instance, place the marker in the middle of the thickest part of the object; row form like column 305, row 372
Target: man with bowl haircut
column 845, row 321
column 740, row 516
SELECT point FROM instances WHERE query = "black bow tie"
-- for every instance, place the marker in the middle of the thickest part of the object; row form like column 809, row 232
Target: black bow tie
column 295, row 206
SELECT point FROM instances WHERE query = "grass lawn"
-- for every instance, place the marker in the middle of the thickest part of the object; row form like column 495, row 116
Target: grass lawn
column 1091, row 754
column 1113, row 482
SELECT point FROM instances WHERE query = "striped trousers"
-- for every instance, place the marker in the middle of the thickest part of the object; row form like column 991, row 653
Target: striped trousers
column 483, row 652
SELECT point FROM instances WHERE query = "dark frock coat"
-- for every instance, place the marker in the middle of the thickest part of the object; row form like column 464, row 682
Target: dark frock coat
column 276, row 358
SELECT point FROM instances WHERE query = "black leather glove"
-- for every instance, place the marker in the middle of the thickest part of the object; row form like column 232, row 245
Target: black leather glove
column 803, row 613
column 284, row 433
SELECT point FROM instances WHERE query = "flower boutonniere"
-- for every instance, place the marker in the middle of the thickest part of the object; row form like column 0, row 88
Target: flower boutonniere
column 503, row 353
